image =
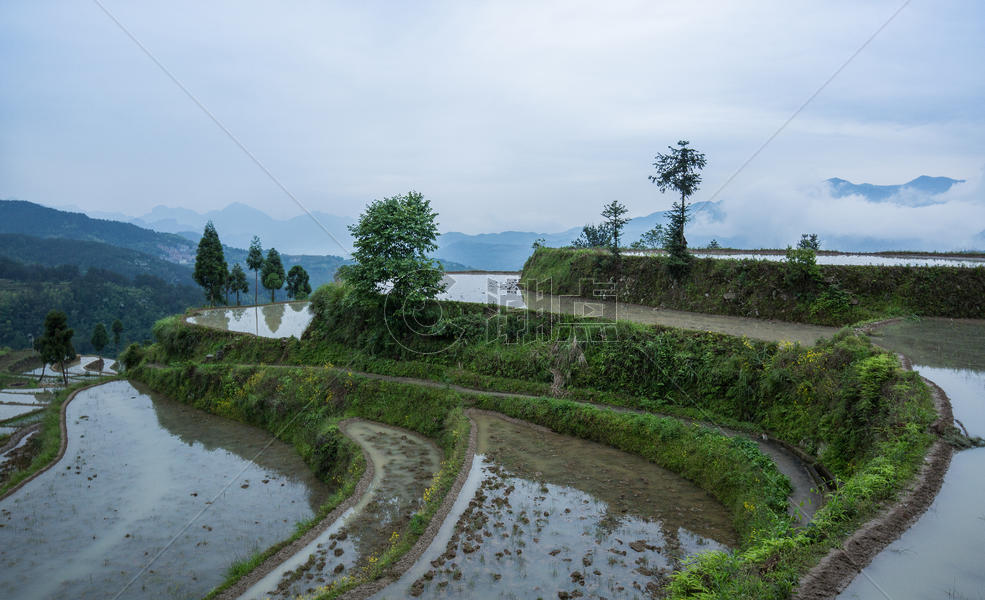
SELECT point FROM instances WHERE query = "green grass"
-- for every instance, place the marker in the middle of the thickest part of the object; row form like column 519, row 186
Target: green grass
column 766, row 289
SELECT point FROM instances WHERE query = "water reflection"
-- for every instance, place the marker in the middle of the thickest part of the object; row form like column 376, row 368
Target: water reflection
column 277, row 321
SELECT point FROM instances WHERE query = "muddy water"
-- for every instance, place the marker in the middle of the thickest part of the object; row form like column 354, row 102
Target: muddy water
column 544, row 513
column 270, row 320
column 404, row 464
column 137, row 470
column 941, row 556
column 608, row 310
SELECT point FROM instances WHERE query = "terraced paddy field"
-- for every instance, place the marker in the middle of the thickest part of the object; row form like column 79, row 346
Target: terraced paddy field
column 152, row 499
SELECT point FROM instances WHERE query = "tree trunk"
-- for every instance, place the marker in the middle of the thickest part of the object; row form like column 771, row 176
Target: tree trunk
column 43, row 365
column 683, row 215
column 256, row 286
column 64, row 375
column 272, row 290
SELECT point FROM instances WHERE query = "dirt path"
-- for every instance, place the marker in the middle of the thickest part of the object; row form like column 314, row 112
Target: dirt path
column 760, row 329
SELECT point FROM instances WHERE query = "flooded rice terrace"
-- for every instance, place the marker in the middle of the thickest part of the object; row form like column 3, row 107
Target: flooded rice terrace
column 405, row 464
column 547, row 515
column 139, row 468
column 941, row 555
column 269, row 320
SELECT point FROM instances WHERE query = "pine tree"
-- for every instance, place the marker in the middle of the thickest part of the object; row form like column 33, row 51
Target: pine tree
column 254, row 262
column 210, row 265
column 298, row 286
column 273, row 272
column 680, row 170
column 237, row 281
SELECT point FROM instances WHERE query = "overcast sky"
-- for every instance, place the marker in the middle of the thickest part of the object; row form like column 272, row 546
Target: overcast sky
column 507, row 115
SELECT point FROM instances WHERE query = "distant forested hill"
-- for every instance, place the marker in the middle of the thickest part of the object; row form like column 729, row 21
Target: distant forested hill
column 53, row 252
column 28, row 292
column 29, row 219
column 18, row 216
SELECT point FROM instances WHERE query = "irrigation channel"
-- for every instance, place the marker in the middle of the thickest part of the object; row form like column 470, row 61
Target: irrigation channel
column 941, row 555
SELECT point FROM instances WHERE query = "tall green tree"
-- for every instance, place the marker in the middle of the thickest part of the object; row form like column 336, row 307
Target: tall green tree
column 298, row 286
column 55, row 344
column 237, row 281
column 392, row 241
column 254, row 262
column 99, row 338
column 613, row 213
column 679, row 170
column 117, row 331
column 210, row 266
column 272, row 272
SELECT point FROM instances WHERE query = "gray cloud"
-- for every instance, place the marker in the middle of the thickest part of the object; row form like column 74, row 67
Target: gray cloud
column 508, row 115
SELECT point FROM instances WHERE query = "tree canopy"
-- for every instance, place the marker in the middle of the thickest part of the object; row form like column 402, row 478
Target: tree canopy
column 210, row 266
column 613, row 213
column 117, row 331
column 99, row 338
column 237, row 281
column 298, row 286
column 272, row 273
column 55, row 344
column 254, row 262
column 679, row 170
column 593, row 236
column 392, row 241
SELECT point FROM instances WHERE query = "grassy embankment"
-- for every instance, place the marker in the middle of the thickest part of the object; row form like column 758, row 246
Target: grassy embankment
column 843, row 401
column 818, row 294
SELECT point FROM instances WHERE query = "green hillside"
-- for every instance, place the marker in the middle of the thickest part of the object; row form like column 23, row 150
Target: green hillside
column 18, row 216
column 28, row 292
column 53, row 252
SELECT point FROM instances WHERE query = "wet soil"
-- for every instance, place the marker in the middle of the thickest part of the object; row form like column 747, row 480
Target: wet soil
column 555, row 516
column 404, row 465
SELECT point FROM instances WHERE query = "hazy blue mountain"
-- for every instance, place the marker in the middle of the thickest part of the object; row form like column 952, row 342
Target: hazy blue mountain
column 238, row 223
column 918, row 192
